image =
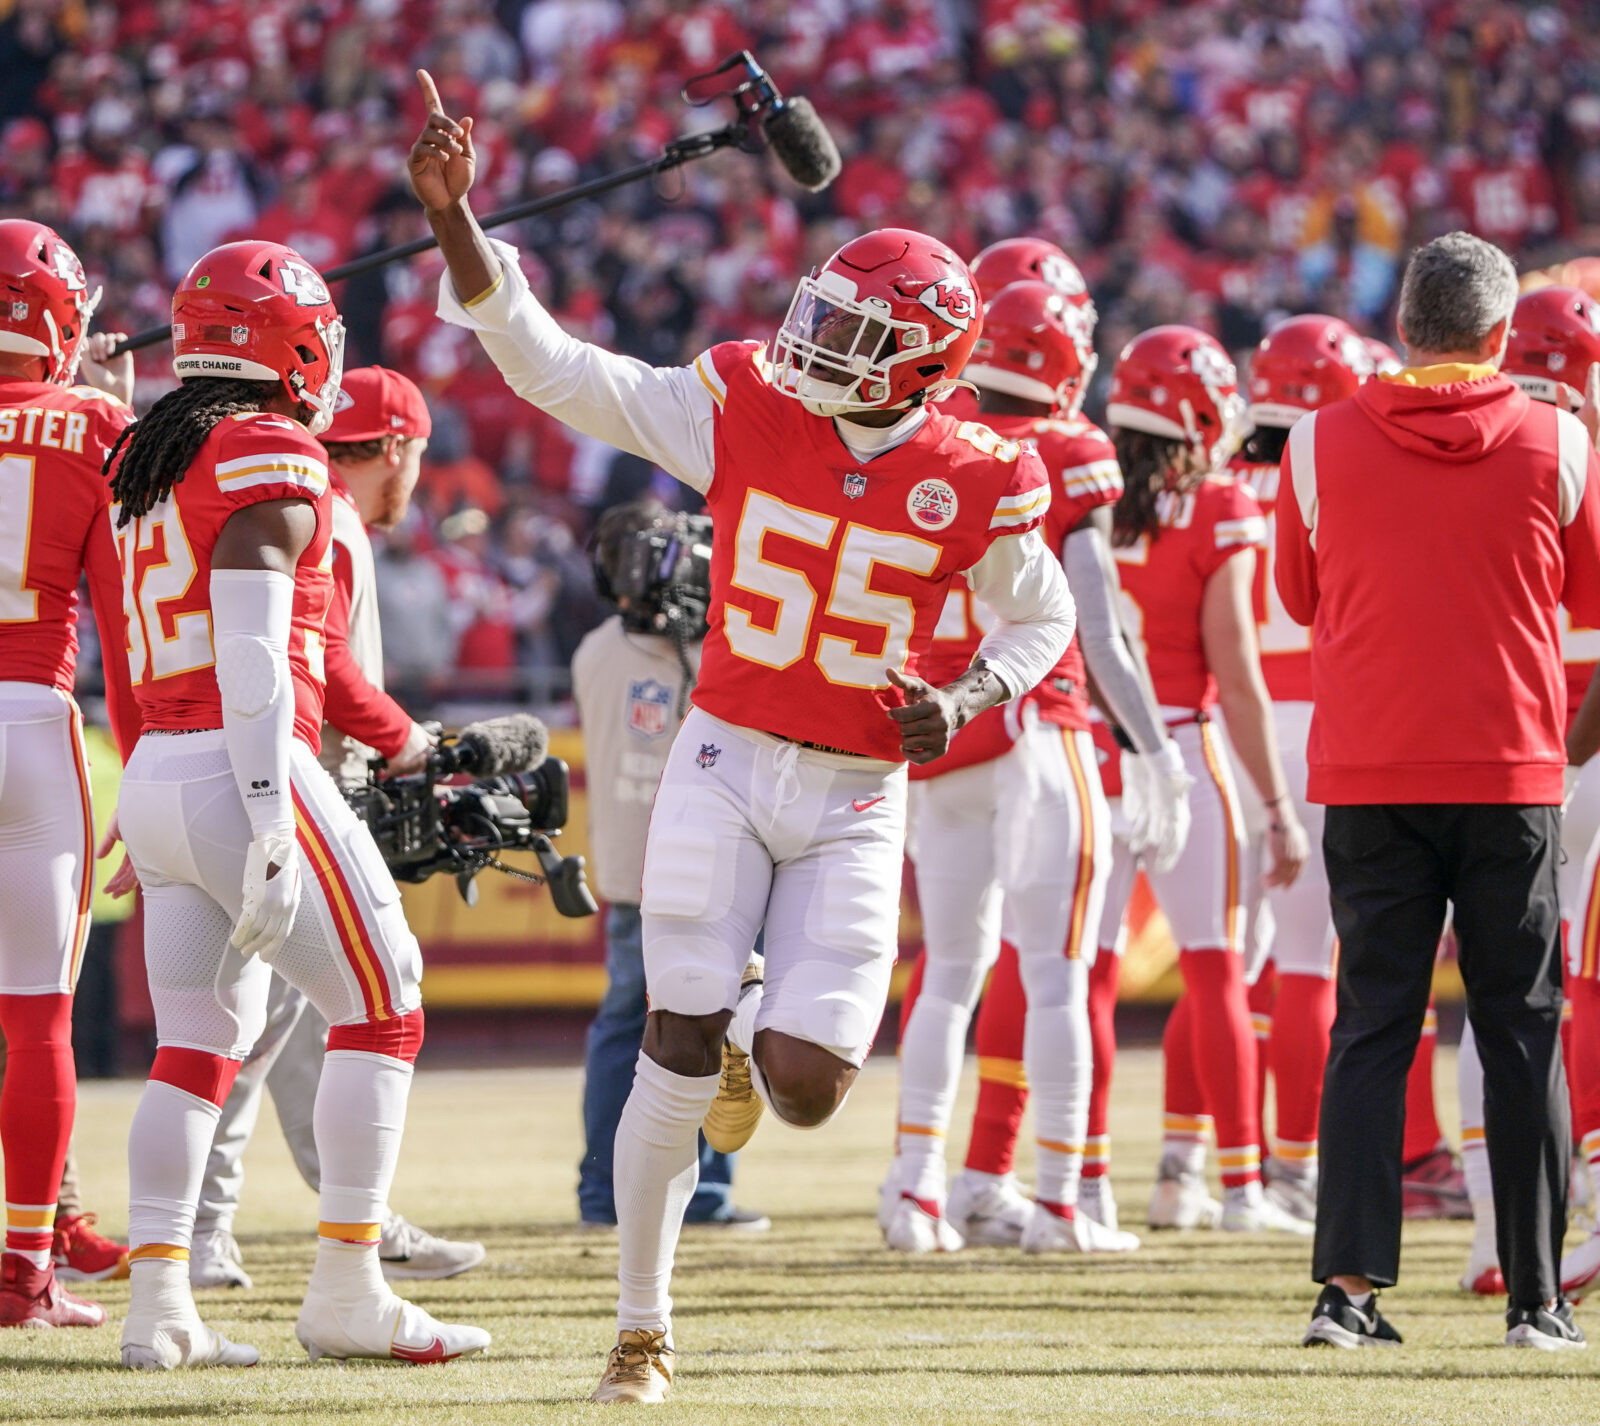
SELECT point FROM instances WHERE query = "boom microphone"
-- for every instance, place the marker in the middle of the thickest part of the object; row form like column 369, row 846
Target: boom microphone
column 496, row 747
column 802, row 144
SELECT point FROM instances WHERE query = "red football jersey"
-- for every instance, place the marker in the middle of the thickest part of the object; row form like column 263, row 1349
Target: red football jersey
column 1082, row 465
column 1285, row 645
column 826, row 571
column 166, row 572
column 1164, row 581
column 54, row 530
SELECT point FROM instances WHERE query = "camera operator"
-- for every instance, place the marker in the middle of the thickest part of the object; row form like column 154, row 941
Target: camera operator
column 631, row 679
column 380, row 430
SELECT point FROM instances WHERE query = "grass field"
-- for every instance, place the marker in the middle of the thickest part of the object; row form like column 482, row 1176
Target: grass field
column 813, row 1322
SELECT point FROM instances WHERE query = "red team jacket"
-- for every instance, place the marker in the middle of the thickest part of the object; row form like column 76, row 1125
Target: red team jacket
column 825, row 571
column 166, row 559
column 54, row 529
column 1082, row 466
column 1449, row 522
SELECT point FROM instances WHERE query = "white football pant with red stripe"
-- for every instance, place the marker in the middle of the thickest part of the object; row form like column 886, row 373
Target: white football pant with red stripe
column 46, row 857
column 351, row 953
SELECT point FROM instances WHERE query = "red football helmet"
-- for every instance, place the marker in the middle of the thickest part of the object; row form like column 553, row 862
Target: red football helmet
column 45, row 302
column 1180, row 383
column 1030, row 260
column 886, row 323
column 258, row 311
column 1555, row 339
column 1305, row 363
column 1036, row 345
column 1385, row 359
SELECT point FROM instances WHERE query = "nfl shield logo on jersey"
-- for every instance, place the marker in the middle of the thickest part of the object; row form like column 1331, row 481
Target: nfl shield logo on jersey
column 709, row 753
column 932, row 504
column 855, row 485
column 648, row 702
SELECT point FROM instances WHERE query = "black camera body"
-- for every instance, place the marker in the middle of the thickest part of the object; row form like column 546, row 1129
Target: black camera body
column 660, row 575
column 425, row 824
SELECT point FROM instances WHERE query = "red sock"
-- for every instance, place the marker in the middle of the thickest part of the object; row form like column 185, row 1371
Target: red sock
column 913, row 990
column 1422, row 1121
column 1103, row 982
column 1002, row 1087
column 36, row 1108
column 1299, row 1054
column 1586, row 1066
column 1224, row 1059
column 1262, row 997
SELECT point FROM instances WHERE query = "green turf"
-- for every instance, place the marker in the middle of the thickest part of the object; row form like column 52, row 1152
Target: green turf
column 813, row 1322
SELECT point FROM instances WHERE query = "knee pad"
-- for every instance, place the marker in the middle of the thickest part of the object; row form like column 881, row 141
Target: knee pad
column 198, row 1072
column 1053, row 981
column 398, row 1038
column 689, row 974
column 830, row 1004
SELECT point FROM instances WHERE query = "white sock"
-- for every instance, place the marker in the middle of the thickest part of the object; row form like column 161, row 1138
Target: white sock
column 656, row 1168
column 1360, row 1300
column 360, row 1117
column 1057, row 1059
column 167, row 1147
column 1246, row 1195
column 348, row 1273
column 159, row 1290
column 931, row 1051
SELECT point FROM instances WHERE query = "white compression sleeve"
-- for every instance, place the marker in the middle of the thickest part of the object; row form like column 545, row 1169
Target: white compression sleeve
column 1093, row 578
column 664, row 414
column 1021, row 582
column 251, row 611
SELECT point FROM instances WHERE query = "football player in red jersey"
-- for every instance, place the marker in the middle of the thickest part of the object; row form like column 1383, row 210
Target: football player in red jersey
column 1553, row 354
column 53, row 529
column 1011, row 827
column 249, row 858
column 1302, row 364
column 845, row 505
column 1185, row 536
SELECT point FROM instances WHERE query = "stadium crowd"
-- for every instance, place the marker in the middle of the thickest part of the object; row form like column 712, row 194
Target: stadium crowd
column 1219, row 163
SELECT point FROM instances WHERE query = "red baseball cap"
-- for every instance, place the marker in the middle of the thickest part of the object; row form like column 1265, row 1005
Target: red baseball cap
column 374, row 401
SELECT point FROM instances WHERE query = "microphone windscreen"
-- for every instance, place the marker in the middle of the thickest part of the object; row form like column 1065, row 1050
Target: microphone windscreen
column 803, row 144
column 499, row 746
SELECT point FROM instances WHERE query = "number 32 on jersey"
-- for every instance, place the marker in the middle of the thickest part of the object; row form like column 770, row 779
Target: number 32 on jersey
column 782, row 640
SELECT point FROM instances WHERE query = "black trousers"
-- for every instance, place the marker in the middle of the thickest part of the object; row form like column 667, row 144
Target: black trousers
column 1391, row 870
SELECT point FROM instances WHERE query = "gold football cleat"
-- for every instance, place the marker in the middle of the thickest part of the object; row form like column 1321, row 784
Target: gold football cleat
column 639, row 1369
column 734, row 1113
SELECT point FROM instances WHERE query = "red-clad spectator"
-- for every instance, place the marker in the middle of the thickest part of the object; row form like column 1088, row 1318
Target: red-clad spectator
column 1272, row 98
column 480, row 600
column 109, row 184
column 697, row 35
column 1503, row 196
column 872, row 186
column 323, row 234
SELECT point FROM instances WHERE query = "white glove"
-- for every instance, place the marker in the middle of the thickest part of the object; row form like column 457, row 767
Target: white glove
column 1158, row 815
column 420, row 742
column 267, row 915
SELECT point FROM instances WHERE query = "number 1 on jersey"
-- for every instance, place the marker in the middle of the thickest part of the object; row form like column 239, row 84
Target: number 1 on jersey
column 18, row 604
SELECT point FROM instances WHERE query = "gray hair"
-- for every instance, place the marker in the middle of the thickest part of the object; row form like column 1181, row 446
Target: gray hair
column 1454, row 291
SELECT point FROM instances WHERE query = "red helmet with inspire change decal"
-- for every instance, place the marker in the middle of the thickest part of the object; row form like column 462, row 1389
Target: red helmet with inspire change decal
column 258, row 311
column 1036, row 344
column 45, row 302
column 1303, row 364
column 886, row 323
column 1555, row 339
column 1180, row 383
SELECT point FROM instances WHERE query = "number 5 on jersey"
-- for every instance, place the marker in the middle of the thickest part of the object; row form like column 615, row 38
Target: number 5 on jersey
column 781, row 640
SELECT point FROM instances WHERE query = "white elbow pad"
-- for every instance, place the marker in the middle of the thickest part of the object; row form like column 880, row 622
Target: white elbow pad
column 251, row 613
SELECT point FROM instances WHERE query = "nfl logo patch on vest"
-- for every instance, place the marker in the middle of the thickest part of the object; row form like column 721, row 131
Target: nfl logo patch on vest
column 649, row 705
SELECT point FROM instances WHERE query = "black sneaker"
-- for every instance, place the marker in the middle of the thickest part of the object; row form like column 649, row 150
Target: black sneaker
column 1338, row 1322
column 1551, row 1329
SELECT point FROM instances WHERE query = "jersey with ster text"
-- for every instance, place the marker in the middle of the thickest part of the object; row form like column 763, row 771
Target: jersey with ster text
column 166, row 571
column 826, row 569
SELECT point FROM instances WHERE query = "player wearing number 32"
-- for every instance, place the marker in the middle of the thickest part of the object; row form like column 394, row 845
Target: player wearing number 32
column 53, row 530
column 249, row 858
column 845, row 505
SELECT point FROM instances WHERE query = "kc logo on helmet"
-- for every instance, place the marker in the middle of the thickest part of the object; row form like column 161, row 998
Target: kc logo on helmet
column 302, row 284
column 953, row 299
column 932, row 504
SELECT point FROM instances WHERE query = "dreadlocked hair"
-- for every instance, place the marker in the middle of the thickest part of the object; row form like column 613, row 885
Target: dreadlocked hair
column 1146, row 460
column 157, row 451
column 1265, row 445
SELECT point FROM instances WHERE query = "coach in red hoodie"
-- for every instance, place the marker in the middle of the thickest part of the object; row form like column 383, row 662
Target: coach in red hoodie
column 1438, row 519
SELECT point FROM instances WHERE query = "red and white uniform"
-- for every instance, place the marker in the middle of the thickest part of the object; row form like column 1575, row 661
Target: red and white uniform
column 783, row 800
column 1163, row 586
column 182, row 818
column 53, row 532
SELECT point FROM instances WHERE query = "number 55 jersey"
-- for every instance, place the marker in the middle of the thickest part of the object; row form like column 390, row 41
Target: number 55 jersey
column 830, row 564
